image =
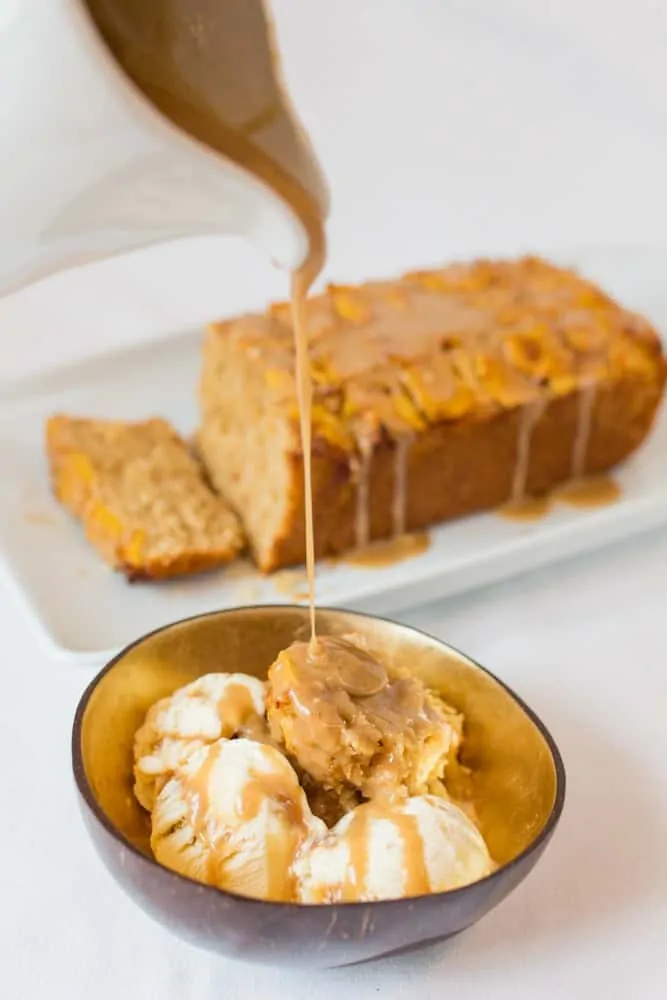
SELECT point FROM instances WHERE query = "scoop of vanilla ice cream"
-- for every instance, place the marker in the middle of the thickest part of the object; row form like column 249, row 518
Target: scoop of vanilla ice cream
column 418, row 845
column 213, row 706
column 235, row 816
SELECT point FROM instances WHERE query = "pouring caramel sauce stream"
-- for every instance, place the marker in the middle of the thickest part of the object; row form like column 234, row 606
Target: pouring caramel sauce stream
column 301, row 282
column 211, row 67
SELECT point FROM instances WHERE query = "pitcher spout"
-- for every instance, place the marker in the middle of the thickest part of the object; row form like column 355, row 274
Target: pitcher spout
column 94, row 166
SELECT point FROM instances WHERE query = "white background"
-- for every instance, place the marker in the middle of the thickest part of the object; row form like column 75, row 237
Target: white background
column 447, row 127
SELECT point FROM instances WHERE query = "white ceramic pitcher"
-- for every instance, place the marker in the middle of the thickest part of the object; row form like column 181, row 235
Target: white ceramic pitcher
column 89, row 167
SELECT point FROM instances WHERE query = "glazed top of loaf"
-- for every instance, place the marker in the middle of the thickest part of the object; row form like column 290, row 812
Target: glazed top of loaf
column 460, row 342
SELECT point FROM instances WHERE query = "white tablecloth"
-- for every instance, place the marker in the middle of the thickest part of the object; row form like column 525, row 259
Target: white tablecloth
column 446, row 129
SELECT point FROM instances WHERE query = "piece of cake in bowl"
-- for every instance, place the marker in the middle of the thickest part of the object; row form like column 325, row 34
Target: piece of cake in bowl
column 355, row 726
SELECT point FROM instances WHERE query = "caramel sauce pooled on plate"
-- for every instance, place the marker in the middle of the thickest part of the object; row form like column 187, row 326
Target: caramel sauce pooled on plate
column 589, row 492
column 386, row 553
column 594, row 491
column 529, row 509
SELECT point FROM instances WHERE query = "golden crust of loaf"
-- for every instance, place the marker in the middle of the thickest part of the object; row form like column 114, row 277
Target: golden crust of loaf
column 140, row 496
column 432, row 378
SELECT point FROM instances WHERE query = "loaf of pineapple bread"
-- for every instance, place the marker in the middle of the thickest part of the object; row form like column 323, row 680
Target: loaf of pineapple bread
column 436, row 395
column 141, row 496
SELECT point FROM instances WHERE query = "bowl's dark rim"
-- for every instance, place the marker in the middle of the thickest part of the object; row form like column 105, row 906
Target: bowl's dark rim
column 87, row 794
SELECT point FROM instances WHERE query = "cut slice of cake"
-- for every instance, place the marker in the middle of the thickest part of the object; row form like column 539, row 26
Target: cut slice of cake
column 141, row 496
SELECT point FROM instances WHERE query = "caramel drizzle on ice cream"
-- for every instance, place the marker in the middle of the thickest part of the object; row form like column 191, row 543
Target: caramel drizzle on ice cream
column 236, row 708
column 197, row 790
column 358, row 836
column 283, row 843
column 276, row 791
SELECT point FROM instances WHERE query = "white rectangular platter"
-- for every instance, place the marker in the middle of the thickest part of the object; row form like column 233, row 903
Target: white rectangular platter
column 85, row 612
